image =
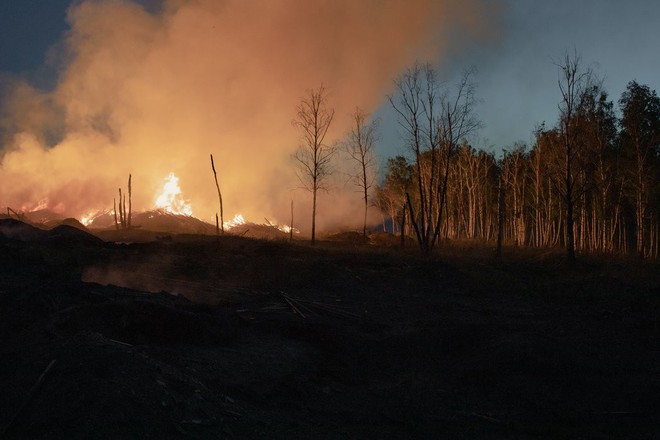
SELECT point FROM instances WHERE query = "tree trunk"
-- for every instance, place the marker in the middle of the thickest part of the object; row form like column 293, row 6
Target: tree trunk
column 570, row 238
column 500, row 217
column 217, row 185
column 403, row 226
column 314, row 214
column 114, row 204
column 122, row 220
column 291, row 223
column 366, row 206
column 130, row 203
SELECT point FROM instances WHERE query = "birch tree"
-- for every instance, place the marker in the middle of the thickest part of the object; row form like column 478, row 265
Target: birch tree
column 641, row 135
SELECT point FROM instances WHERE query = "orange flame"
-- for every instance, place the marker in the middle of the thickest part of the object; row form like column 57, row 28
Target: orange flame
column 171, row 198
column 236, row 221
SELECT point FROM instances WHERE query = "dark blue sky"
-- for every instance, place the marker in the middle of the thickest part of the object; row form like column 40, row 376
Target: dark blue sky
column 28, row 28
column 517, row 80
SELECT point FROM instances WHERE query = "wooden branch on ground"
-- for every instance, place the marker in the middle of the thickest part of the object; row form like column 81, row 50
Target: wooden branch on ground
column 482, row 417
column 126, row 344
column 319, row 307
column 28, row 398
column 293, row 307
column 19, row 216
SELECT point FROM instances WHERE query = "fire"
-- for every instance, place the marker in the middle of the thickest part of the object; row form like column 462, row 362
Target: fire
column 88, row 218
column 41, row 204
column 287, row 229
column 236, row 221
column 240, row 220
column 171, row 198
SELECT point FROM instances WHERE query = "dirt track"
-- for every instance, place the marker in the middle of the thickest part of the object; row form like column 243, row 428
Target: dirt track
column 390, row 346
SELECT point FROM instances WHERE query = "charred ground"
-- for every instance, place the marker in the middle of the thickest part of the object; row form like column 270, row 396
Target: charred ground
column 267, row 339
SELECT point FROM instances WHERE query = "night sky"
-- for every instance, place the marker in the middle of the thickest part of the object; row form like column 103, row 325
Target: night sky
column 517, row 79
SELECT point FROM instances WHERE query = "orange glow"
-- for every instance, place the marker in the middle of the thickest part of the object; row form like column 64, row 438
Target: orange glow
column 287, row 229
column 171, row 198
column 236, row 221
column 87, row 219
column 148, row 93
column 41, row 204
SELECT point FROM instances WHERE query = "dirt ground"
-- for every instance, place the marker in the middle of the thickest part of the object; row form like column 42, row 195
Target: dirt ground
column 194, row 337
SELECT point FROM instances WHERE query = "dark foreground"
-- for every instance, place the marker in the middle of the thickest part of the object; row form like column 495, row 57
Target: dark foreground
column 268, row 340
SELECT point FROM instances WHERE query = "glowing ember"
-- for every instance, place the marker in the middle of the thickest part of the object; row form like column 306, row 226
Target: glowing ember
column 88, row 218
column 42, row 204
column 287, row 229
column 236, row 221
column 284, row 228
column 171, row 198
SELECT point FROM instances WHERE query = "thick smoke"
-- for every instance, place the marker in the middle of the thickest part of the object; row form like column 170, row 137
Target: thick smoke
column 153, row 93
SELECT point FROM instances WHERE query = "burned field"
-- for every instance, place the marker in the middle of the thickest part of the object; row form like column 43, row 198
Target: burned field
column 194, row 337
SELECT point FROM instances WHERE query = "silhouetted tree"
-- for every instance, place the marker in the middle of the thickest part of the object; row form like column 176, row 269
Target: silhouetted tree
column 435, row 120
column 583, row 184
column 314, row 156
column 573, row 81
column 359, row 146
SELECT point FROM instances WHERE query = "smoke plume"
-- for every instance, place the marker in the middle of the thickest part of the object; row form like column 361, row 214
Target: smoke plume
column 150, row 93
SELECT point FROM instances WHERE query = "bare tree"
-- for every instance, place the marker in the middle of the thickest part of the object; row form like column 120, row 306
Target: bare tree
column 435, row 120
column 573, row 81
column 314, row 157
column 414, row 105
column 359, row 146
column 457, row 121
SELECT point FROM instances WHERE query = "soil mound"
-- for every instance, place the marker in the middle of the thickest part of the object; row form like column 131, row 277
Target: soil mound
column 347, row 237
column 163, row 221
column 70, row 221
column 18, row 230
column 71, row 233
column 141, row 322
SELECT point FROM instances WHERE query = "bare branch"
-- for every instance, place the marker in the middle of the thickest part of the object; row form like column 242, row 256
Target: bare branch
column 314, row 156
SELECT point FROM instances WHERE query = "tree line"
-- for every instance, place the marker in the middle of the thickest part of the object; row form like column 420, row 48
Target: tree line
column 588, row 184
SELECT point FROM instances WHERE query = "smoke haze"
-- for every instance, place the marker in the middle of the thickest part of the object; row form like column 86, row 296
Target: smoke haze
column 153, row 93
